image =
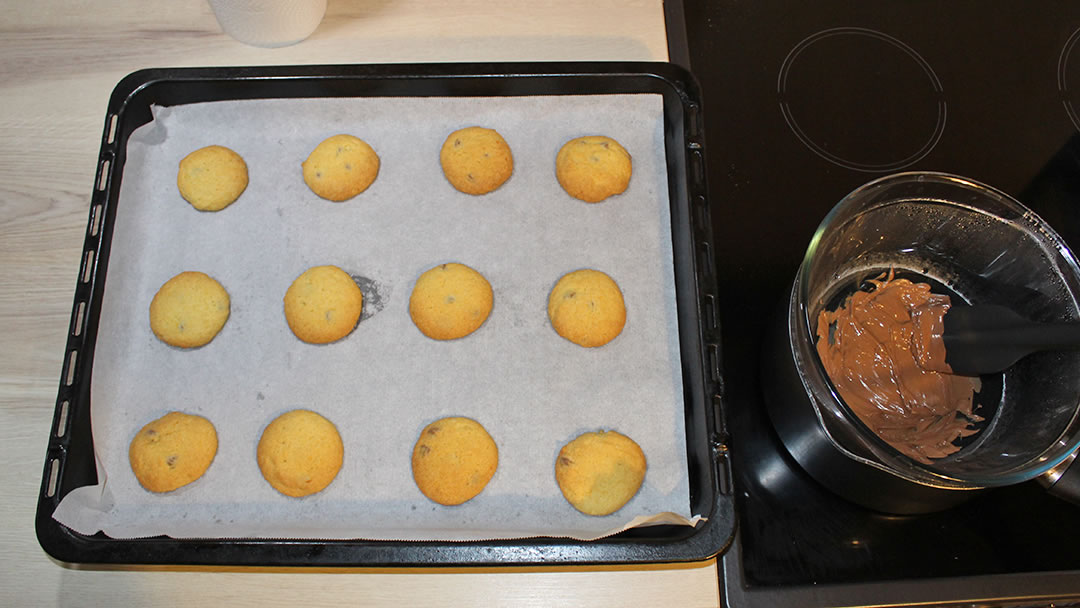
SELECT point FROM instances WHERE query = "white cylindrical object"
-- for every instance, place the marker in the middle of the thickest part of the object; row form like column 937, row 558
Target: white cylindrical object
column 269, row 23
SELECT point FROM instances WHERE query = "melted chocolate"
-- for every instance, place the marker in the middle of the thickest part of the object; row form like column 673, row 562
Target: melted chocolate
column 884, row 353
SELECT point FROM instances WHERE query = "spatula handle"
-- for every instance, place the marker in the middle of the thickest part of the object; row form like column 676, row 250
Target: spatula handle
column 1039, row 336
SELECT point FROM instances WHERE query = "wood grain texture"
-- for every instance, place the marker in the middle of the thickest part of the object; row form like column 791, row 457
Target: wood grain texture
column 59, row 61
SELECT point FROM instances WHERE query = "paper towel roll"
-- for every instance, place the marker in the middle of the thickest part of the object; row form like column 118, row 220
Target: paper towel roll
column 269, row 23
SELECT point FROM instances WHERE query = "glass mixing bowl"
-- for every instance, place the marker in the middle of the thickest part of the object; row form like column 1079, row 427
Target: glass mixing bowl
column 980, row 246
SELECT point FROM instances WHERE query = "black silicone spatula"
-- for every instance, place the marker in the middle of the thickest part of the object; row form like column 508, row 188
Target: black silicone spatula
column 988, row 338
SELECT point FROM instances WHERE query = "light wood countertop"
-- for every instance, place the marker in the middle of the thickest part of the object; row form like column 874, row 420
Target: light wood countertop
column 59, row 61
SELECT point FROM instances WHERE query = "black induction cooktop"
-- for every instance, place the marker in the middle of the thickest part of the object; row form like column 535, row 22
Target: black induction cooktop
column 804, row 102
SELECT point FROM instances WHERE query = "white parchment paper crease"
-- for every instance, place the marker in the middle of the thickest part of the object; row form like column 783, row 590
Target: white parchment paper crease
column 531, row 389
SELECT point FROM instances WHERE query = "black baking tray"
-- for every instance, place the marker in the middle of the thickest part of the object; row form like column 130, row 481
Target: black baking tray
column 70, row 461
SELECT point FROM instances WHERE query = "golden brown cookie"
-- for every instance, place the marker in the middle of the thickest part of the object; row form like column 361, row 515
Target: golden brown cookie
column 211, row 178
column 450, row 301
column 600, row 472
column 172, row 451
column 453, row 460
column 300, row 453
column 341, row 167
column 323, row 305
column 587, row 308
column 476, row 160
column 189, row 310
column 593, row 167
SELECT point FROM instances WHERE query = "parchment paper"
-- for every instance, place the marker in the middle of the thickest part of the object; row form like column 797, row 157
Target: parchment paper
column 531, row 389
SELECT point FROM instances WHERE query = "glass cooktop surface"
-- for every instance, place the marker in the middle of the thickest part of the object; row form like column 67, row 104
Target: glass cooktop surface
column 804, row 102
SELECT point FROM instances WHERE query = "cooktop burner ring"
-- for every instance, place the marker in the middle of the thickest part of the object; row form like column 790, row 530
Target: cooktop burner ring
column 904, row 159
column 1063, row 77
